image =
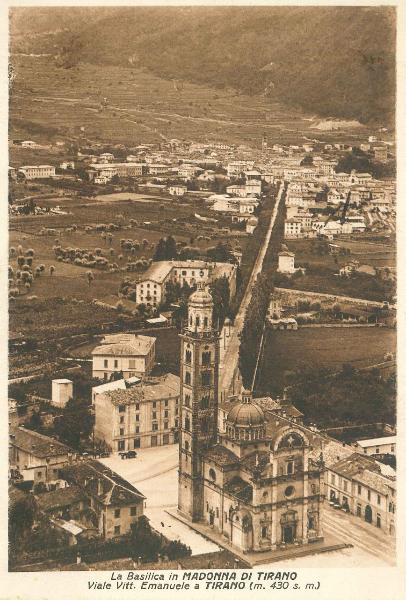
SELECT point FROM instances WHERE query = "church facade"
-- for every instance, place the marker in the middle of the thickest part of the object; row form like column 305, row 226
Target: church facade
column 253, row 482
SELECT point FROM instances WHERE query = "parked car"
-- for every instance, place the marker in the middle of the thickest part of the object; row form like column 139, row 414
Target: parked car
column 129, row 454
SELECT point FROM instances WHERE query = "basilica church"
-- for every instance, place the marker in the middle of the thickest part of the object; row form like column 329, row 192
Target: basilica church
column 251, row 480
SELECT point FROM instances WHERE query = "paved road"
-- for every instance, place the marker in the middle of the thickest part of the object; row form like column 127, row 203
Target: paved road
column 363, row 536
column 231, row 357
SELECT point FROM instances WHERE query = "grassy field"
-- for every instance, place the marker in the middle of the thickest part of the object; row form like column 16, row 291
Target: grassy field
column 370, row 253
column 289, row 352
column 70, row 280
column 54, row 103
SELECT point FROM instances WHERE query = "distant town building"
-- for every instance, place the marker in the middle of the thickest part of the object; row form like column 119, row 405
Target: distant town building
column 37, row 171
column 127, row 354
column 144, row 415
column 177, row 190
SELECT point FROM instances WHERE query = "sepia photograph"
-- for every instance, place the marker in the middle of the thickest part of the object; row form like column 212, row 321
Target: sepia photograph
column 202, row 293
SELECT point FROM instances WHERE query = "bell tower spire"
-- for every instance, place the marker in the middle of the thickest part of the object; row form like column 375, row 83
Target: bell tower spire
column 200, row 349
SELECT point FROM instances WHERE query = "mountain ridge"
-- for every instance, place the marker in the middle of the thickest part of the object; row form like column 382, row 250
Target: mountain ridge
column 332, row 61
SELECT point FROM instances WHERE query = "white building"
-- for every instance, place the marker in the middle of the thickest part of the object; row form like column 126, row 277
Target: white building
column 151, row 289
column 37, row 171
column 382, row 445
column 62, row 391
column 144, row 415
column 129, row 354
column 286, row 262
column 177, row 190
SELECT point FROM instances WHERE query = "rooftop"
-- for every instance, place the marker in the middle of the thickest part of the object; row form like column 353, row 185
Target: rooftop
column 100, row 482
column 125, row 345
column 390, row 439
column 37, row 444
column 59, row 498
column 154, row 388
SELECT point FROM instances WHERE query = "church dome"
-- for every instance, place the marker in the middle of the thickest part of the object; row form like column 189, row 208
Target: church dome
column 246, row 414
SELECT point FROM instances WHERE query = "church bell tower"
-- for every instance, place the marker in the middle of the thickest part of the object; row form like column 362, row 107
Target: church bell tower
column 200, row 349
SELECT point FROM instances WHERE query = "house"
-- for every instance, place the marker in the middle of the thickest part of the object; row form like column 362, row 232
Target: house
column 253, row 187
column 237, row 167
column 158, row 169
column 29, row 144
column 251, row 225
column 144, row 415
column 286, row 262
column 106, row 157
column 356, row 484
column 37, row 171
column 292, row 227
column 113, row 502
column 67, row 164
column 101, row 179
column 37, row 457
column 381, row 153
column 177, row 190
column 128, row 354
column 125, row 169
column 382, row 445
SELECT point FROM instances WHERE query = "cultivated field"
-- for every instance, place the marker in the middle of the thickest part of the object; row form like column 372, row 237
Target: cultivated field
column 50, row 103
column 289, row 352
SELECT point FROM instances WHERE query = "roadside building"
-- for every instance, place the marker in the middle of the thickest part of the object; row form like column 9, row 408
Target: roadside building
column 355, row 483
column 114, row 502
column 286, row 262
column 127, row 354
column 144, row 415
column 37, row 457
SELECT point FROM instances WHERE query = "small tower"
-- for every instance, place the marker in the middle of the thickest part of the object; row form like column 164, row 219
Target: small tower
column 200, row 348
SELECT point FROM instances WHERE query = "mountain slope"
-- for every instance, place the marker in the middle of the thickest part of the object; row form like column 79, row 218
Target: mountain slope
column 333, row 61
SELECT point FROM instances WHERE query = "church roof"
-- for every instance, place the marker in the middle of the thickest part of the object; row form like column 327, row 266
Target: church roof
column 239, row 488
column 221, row 455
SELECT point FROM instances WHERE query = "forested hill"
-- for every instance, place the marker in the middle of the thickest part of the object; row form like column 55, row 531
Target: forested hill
column 331, row 61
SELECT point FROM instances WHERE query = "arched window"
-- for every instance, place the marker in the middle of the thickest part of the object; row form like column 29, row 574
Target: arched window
column 186, row 445
column 206, row 322
column 204, row 402
column 187, row 424
column 206, row 378
column 212, row 474
column 188, row 378
column 197, row 321
column 187, row 400
column 290, row 466
column 206, row 358
column 188, row 356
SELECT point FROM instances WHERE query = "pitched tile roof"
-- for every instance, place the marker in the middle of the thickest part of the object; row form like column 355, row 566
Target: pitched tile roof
column 37, row 444
column 59, row 498
column 98, row 481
